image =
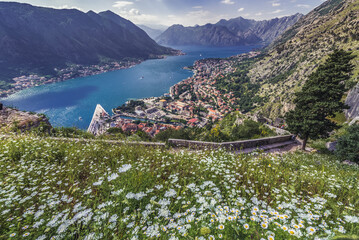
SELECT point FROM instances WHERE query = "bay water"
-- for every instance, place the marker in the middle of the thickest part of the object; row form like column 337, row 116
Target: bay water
column 71, row 103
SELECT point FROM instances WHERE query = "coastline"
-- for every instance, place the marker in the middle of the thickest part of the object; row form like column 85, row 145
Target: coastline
column 74, row 71
column 194, row 101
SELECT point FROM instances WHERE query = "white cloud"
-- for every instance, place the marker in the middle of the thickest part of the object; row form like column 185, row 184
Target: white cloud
column 227, row 2
column 276, row 4
column 191, row 18
column 303, row 5
column 197, row 7
column 259, row 14
column 240, row 9
column 122, row 4
column 134, row 11
column 67, row 7
column 277, row 11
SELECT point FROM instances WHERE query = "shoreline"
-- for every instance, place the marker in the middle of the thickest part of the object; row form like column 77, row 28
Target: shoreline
column 194, row 100
column 73, row 72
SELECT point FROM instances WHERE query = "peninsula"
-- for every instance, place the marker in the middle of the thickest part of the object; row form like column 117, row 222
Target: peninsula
column 193, row 102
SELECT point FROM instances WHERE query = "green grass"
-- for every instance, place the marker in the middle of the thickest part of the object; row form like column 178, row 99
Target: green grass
column 77, row 190
column 339, row 118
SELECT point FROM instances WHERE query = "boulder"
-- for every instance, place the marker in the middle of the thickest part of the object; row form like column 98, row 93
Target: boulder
column 332, row 146
column 347, row 162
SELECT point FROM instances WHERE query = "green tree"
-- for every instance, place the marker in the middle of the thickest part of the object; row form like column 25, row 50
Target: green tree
column 348, row 145
column 320, row 98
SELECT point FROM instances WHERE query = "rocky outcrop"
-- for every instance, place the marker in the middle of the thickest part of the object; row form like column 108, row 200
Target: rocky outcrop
column 14, row 120
column 331, row 146
column 353, row 102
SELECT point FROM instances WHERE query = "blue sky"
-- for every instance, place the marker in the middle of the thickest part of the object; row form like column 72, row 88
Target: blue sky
column 187, row 12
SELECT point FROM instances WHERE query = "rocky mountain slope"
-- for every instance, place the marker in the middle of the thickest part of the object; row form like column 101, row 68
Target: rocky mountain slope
column 13, row 120
column 36, row 39
column 233, row 32
column 297, row 53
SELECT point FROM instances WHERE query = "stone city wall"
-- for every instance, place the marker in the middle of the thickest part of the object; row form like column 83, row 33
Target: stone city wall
column 238, row 145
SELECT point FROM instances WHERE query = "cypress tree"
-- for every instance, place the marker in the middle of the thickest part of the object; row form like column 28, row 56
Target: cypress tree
column 321, row 98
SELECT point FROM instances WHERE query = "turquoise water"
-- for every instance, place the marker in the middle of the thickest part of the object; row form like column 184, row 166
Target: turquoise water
column 65, row 102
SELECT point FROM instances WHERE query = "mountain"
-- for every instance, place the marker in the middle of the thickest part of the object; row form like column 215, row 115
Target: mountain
column 36, row 39
column 207, row 35
column 267, row 30
column 233, row 32
column 289, row 61
column 152, row 32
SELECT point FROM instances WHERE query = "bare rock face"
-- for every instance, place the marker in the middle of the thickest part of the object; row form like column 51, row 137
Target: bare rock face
column 13, row 119
column 353, row 102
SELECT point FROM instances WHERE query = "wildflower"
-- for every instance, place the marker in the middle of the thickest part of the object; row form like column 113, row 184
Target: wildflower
column 246, row 226
column 113, row 218
column 112, row 177
column 26, row 234
column 264, row 225
column 270, row 237
column 12, row 234
column 291, row 231
column 124, row 168
column 97, row 183
column 171, row 193
column 221, row 227
column 211, row 237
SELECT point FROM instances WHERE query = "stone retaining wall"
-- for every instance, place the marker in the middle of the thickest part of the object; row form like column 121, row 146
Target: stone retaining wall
column 238, row 145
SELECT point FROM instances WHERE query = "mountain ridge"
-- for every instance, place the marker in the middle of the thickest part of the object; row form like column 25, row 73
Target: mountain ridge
column 38, row 39
column 232, row 32
column 152, row 32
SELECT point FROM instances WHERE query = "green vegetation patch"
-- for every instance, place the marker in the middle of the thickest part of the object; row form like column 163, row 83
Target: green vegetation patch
column 333, row 4
column 131, row 106
column 233, row 127
column 348, row 144
column 77, row 190
column 239, row 83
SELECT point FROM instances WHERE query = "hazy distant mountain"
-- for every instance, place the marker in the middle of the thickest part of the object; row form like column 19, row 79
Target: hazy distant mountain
column 233, row 32
column 37, row 39
column 152, row 32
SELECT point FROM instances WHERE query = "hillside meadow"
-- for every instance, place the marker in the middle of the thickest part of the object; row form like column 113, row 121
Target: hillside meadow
column 77, row 190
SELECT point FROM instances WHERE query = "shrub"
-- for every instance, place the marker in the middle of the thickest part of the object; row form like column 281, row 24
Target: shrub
column 348, row 144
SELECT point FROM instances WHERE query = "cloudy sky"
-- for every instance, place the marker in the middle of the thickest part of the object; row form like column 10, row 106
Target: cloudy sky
column 187, row 12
